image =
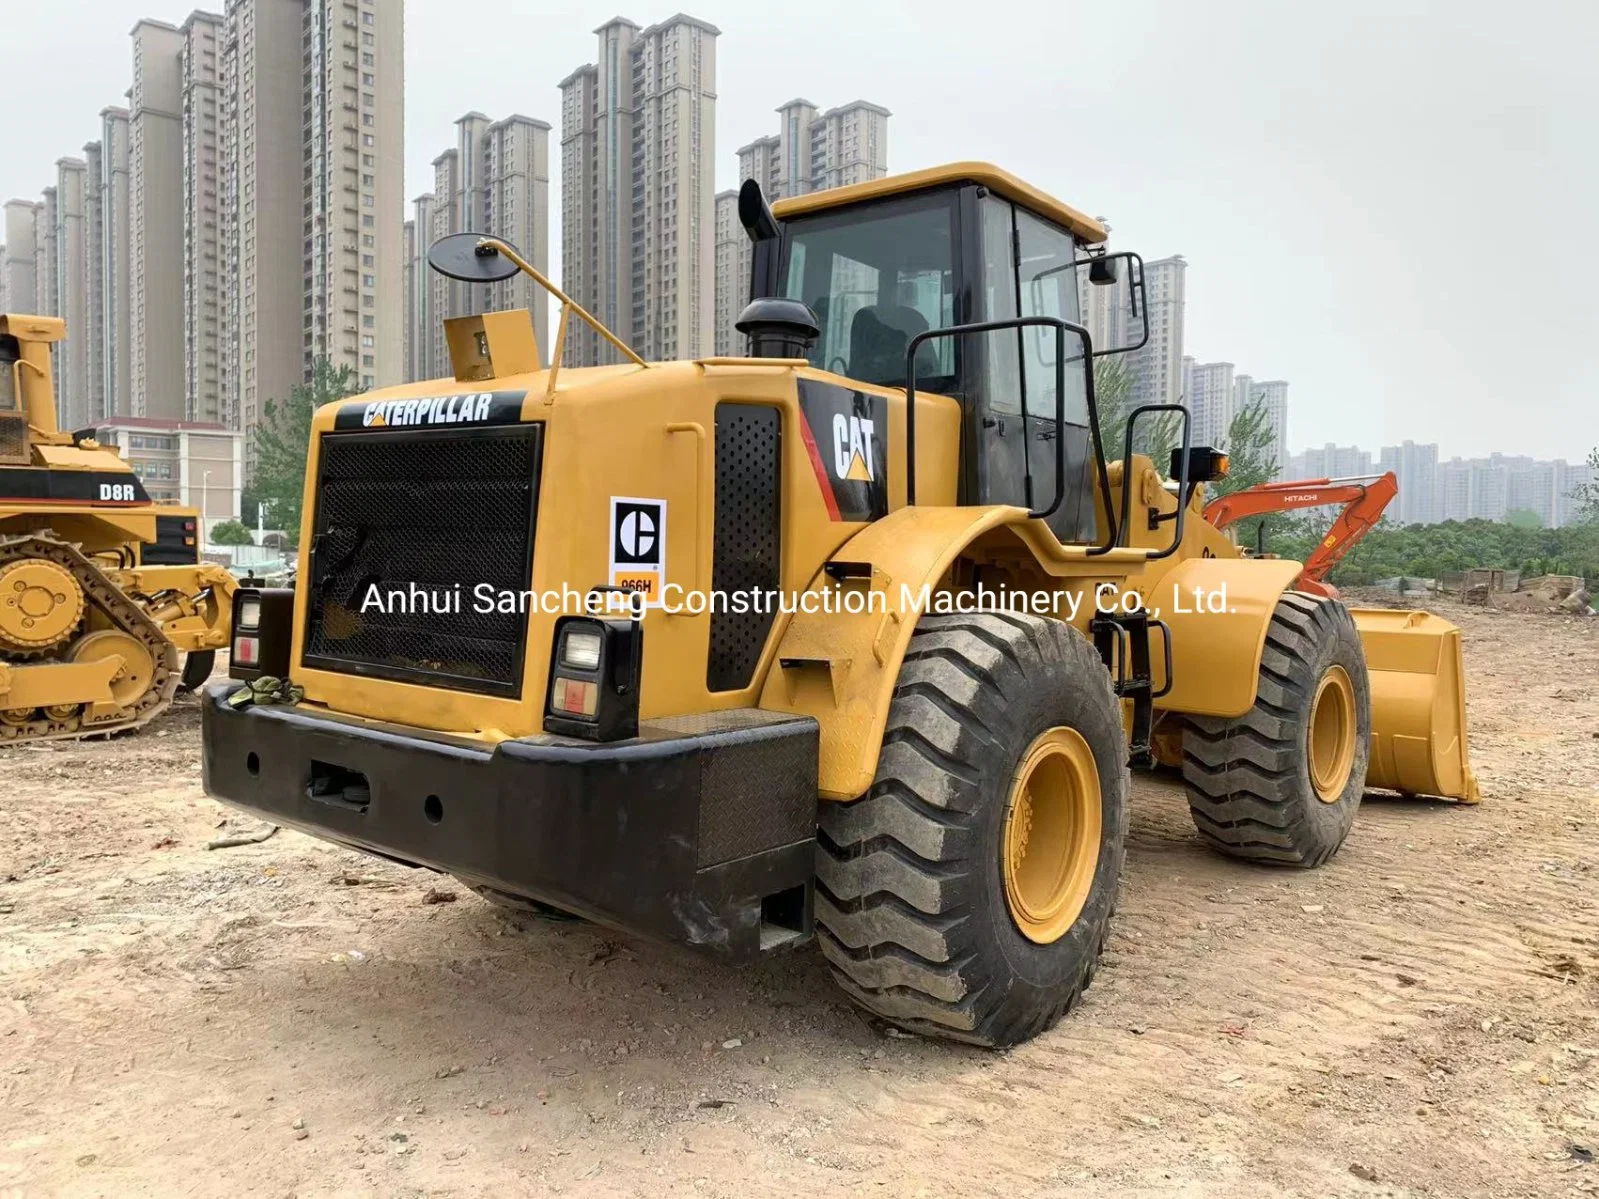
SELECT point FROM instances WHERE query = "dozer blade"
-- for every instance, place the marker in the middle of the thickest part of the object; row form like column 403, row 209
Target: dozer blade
column 1418, row 704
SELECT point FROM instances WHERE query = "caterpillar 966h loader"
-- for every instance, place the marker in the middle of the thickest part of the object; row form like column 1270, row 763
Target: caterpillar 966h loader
column 100, row 587
column 917, row 750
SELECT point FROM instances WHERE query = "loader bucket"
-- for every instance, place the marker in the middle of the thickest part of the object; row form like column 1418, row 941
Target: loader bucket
column 1418, row 704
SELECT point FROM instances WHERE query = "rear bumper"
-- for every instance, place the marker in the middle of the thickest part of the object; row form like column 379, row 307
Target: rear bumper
column 700, row 831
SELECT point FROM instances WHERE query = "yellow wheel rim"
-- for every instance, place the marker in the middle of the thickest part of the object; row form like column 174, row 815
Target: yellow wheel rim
column 1330, row 739
column 1052, row 830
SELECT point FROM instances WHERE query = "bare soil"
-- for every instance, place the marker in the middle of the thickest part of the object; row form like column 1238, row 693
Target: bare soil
column 1417, row 1018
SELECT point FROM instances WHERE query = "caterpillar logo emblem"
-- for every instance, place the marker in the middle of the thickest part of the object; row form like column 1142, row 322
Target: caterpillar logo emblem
column 446, row 411
column 852, row 448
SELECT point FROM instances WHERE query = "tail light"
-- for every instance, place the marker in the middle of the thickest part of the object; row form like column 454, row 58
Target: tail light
column 594, row 679
column 263, row 629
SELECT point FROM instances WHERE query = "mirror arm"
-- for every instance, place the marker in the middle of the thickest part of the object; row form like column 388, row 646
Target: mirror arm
column 566, row 301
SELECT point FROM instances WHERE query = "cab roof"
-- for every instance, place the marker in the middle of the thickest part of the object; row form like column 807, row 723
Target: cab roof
column 987, row 174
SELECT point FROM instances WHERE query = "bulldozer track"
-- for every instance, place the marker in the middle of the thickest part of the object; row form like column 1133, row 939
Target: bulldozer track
column 125, row 614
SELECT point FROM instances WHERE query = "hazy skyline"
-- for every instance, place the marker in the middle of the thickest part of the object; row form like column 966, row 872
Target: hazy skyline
column 1337, row 178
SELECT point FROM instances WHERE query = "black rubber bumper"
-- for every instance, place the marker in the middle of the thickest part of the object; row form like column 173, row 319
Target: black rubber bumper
column 700, row 831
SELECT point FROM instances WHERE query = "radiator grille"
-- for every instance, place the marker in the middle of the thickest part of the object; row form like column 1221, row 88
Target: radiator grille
column 13, row 437
column 748, row 531
column 423, row 514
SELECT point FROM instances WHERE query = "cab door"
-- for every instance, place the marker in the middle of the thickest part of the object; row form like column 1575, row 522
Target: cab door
column 1028, row 271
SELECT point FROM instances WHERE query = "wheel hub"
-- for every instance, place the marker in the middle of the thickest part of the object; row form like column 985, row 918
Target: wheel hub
column 1052, row 835
column 40, row 604
column 1331, row 735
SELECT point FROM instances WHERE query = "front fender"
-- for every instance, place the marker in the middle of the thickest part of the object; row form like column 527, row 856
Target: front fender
column 840, row 664
column 1216, row 653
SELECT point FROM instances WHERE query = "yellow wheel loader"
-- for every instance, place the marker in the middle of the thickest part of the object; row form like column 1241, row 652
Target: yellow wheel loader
column 851, row 639
column 101, row 589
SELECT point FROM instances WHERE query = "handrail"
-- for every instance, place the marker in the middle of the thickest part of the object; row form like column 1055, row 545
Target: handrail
column 567, row 304
column 1023, row 322
column 1182, row 475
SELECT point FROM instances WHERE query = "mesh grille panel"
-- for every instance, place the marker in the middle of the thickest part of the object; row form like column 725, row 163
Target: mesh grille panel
column 13, row 438
column 424, row 517
column 746, row 556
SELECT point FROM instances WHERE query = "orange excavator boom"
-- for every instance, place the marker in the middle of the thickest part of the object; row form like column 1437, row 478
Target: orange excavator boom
column 1363, row 498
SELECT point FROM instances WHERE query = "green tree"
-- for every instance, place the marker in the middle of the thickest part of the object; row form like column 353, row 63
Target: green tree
column 230, row 532
column 1587, row 494
column 283, row 438
column 1251, row 449
column 1113, row 389
column 1523, row 518
column 1155, row 435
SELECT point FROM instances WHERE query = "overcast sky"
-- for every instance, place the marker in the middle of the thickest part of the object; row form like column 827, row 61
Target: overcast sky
column 1391, row 205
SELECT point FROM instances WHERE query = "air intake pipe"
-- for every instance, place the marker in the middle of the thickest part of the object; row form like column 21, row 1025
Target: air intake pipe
column 778, row 328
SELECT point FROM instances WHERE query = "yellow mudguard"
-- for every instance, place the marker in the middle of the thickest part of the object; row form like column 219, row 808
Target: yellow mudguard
column 1418, row 704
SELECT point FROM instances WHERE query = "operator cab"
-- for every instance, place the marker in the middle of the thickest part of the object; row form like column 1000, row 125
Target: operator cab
column 883, row 262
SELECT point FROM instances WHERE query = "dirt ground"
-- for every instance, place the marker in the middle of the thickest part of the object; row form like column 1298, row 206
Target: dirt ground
column 1417, row 1018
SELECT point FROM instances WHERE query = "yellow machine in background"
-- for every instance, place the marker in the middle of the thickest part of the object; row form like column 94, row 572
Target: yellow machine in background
column 977, row 615
column 101, row 589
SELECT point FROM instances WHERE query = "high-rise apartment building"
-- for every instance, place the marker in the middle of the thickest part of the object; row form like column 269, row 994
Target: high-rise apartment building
column 442, row 292
column 354, row 155
column 156, row 181
column 199, row 62
column 516, row 196
column 419, row 319
column 811, row 151
column 110, row 305
column 733, row 264
column 1210, row 402
column 496, row 180
column 414, row 275
column 265, row 245
column 71, row 271
column 638, row 138
column 458, row 184
column 94, row 266
column 1157, row 368
column 1423, row 490
column 1272, row 395
column 20, row 267
column 1329, row 462
column 46, row 266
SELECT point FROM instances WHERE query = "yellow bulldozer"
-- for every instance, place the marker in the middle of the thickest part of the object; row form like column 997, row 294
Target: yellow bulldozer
column 101, row 589
column 851, row 639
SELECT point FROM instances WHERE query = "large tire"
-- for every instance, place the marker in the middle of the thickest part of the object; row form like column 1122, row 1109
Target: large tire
column 1256, row 787
column 912, row 906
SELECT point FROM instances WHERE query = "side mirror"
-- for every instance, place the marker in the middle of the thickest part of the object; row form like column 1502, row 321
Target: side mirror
column 1103, row 271
column 459, row 256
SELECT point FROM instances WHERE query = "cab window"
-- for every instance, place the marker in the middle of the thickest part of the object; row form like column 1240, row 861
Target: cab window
column 1048, row 287
column 875, row 278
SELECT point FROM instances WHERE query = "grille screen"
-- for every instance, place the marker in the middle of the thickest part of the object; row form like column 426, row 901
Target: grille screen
column 13, row 436
column 748, row 524
column 419, row 520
